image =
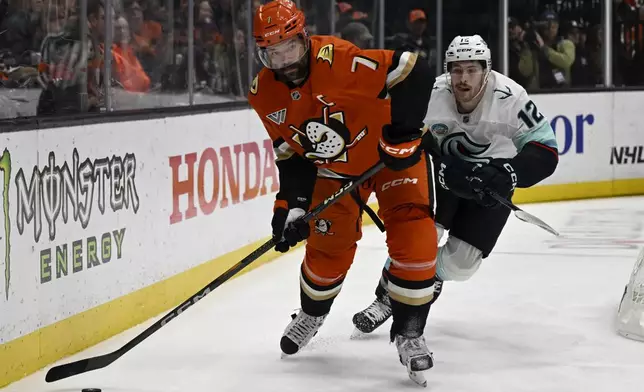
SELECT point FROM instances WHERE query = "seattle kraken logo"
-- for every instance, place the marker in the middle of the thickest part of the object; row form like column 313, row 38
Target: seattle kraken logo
column 460, row 145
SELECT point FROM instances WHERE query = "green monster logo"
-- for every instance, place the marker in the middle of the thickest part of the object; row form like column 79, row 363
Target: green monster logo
column 5, row 167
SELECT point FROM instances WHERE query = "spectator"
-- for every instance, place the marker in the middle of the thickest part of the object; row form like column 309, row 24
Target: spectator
column 65, row 66
column 593, row 45
column 414, row 40
column 24, row 29
column 358, row 34
column 585, row 70
column 556, row 56
column 522, row 58
column 128, row 71
column 147, row 38
column 629, row 46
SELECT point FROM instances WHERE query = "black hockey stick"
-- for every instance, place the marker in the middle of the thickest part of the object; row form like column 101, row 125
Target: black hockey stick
column 520, row 214
column 85, row 365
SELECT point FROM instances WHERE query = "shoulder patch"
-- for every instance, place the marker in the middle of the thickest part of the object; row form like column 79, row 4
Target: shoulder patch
column 253, row 85
column 439, row 129
column 325, row 54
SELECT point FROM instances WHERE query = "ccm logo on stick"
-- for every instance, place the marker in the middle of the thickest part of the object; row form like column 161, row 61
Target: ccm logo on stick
column 400, row 181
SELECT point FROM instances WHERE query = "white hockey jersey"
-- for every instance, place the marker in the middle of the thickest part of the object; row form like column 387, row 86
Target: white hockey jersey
column 504, row 121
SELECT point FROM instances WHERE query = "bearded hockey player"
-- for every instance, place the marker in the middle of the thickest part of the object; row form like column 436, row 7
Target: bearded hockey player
column 333, row 111
column 492, row 136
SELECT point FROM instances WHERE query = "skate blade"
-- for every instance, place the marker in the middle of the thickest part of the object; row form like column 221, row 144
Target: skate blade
column 418, row 378
column 357, row 334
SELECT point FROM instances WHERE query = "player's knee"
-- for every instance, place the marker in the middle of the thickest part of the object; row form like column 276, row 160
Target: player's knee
column 420, row 247
column 457, row 260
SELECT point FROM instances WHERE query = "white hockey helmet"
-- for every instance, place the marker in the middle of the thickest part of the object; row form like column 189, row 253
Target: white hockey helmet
column 468, row 48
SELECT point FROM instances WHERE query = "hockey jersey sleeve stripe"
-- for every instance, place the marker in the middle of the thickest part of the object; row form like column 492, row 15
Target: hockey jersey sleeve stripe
column 282, row 150
column 547, row 148
column 406, row 63
column 409, row 86
column 544, row 134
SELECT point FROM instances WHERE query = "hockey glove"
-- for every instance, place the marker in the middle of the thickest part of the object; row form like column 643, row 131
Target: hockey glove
column 453, row 175
column 498, row 176
column 288, row 229
column 399, row 146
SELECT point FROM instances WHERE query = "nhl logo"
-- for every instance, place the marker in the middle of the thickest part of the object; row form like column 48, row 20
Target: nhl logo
column 295, row 95
column 439, row 129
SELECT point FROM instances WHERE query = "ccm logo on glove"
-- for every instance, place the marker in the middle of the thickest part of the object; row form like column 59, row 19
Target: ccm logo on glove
column 399, row 146
column 403, row 152
column 513, row 174
column 441, row 176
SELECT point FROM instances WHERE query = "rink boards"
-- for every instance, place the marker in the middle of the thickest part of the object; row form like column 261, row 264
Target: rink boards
column 107, row 225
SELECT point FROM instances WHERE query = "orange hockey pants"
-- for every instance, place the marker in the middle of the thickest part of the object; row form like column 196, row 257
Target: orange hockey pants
column 406, row 209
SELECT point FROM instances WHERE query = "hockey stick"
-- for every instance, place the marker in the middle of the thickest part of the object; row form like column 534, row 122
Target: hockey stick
column 85, row 365
column 520, row 214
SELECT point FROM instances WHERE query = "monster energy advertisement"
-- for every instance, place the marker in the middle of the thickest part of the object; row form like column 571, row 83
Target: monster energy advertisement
column 69, row 193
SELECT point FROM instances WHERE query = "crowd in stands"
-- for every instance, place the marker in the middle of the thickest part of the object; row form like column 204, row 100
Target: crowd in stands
column 562, row 47
column 44, row 49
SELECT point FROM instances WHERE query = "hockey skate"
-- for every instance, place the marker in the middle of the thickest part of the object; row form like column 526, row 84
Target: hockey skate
column 367, row 320
column 299, row 332
column 371, row 318
column 415, row 356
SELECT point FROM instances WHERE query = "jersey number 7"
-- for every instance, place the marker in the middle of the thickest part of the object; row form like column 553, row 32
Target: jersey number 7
column 535, row 116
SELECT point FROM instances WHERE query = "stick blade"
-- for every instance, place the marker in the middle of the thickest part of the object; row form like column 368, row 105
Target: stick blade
column 529, row 218
column 82, row 366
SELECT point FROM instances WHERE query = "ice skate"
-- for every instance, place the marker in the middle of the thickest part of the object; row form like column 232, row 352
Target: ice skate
column 415, row 356
column 299, row 332
column 367, row 320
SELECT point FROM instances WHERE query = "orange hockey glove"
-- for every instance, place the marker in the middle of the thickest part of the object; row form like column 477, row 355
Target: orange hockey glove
column 399, row 146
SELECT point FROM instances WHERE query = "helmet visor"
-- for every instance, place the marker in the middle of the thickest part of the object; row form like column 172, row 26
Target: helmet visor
column 283, row 54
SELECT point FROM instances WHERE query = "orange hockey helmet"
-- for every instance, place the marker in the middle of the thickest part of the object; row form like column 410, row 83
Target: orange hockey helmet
column 280, row 34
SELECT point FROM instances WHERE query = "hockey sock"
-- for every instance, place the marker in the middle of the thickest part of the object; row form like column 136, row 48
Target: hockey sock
column 317, row 300
column 408, row 320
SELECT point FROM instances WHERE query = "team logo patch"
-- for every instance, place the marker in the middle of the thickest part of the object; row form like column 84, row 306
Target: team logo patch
column 460, row 145
column 325, row 54
column 439, row 129
column 323, row 227
column 326, row 139
column 278, row 117
column 295, row 95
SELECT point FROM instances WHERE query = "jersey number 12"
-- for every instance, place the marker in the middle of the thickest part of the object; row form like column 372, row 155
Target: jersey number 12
column 535, row 116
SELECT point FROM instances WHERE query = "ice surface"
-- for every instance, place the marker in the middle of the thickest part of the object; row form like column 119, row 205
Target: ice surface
column 538, row 316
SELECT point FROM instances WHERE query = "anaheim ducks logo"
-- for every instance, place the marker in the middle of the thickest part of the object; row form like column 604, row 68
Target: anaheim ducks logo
column 326, row 139
column 323, row 227
column 460, row 145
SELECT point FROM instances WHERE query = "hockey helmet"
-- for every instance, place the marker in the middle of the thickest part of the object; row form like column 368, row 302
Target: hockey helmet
column 468, row 48
column 280, row 34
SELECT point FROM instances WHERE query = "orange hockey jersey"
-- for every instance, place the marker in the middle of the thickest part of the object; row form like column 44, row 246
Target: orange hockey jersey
column 335, row 117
